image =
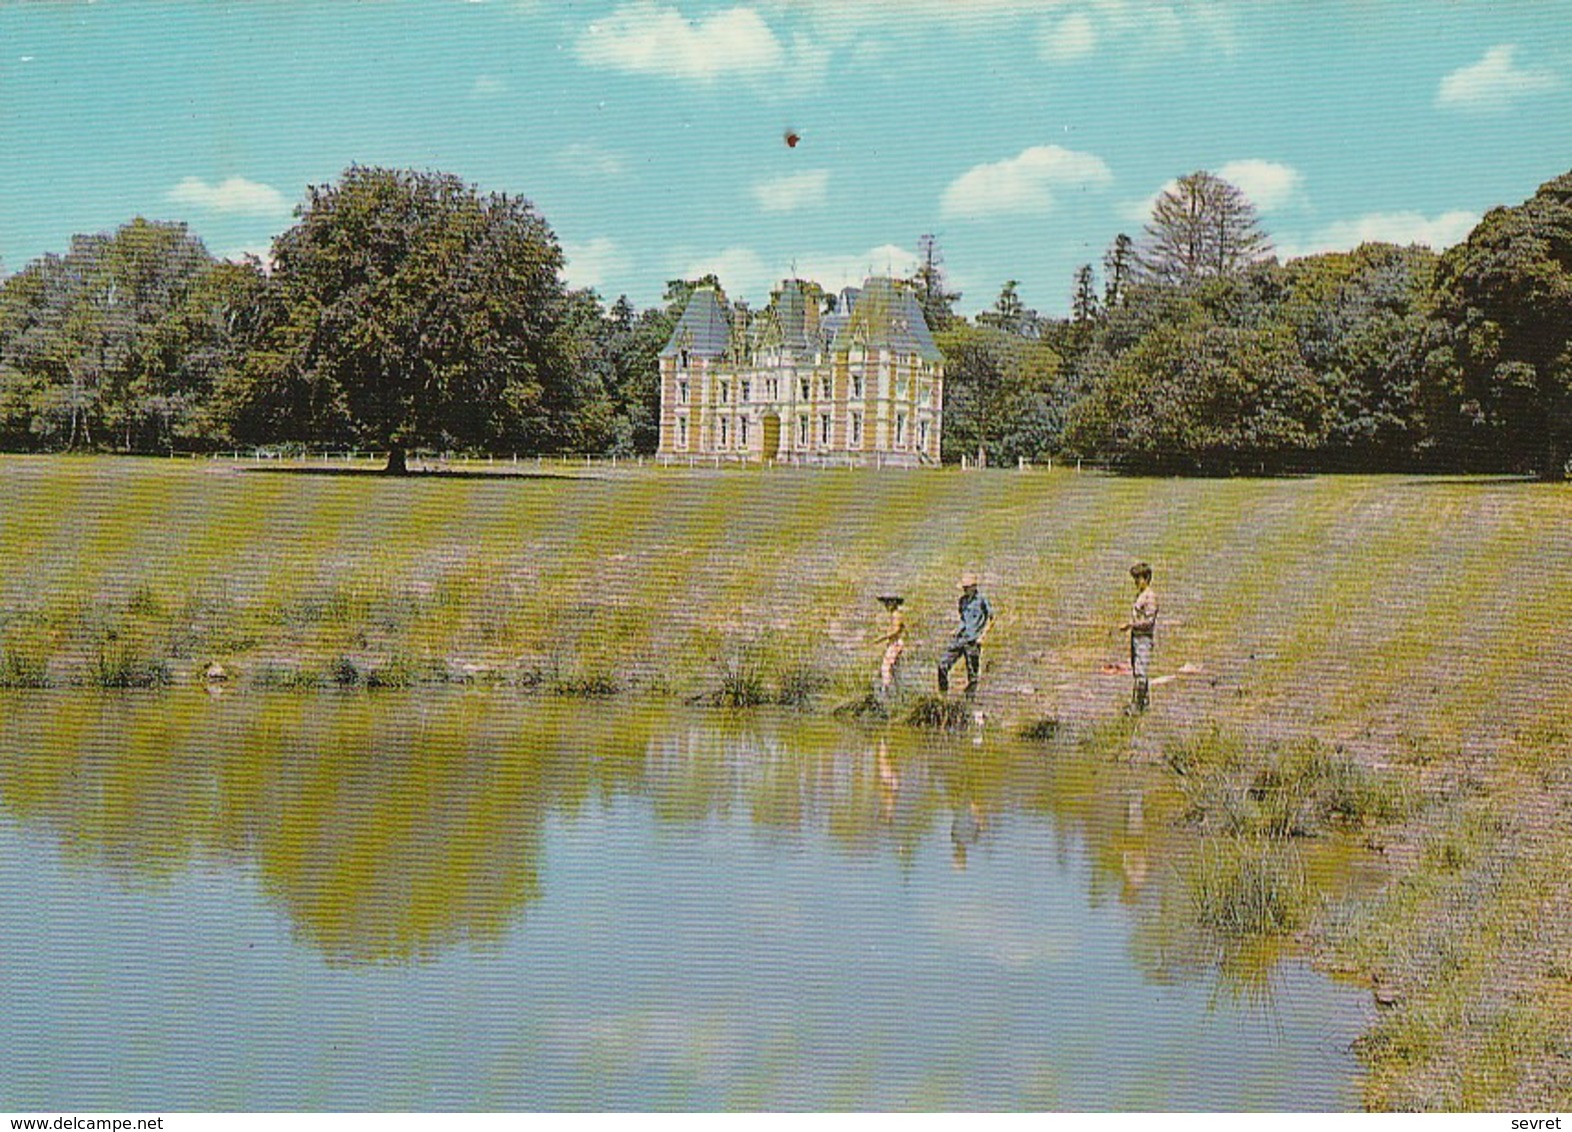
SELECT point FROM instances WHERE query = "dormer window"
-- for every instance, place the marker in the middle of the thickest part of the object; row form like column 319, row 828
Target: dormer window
column 682, row 359
column 856, row 386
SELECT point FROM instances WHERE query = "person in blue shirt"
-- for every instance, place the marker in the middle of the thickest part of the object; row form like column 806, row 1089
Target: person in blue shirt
column 976, row 619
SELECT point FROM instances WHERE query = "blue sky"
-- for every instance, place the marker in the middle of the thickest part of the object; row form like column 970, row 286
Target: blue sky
column 650, row 133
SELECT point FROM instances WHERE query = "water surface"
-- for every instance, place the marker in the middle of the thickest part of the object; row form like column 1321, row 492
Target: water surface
column 469, row 900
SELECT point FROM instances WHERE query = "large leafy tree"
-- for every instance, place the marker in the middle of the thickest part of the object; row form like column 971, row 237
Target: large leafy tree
column 87, row 350
column 1502, row 338
column 1201, row 225
column 1002, row 394
column 410, row 309
column 1201, row 396
column 1360, row 318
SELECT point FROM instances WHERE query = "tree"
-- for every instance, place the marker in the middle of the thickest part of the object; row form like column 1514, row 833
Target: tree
column 85, row 353
column 621, row 347
column 1119, row 265
column 1008, row 312
column 1083, row 303
column 1001, row 394
column 1360, row 319
column 937, row 302
column 1202, row 225
column 412, row 309
column 1203, row 397
column 1501, row 342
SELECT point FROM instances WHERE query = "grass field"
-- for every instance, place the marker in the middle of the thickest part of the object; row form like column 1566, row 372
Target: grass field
column 1412, row 623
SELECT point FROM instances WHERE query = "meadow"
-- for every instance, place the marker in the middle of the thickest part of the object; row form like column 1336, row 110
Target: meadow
column 1371, row 652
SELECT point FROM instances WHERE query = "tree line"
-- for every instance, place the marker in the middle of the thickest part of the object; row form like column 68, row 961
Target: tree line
column 403, row 309
column 1202, row 354
column 407, row 309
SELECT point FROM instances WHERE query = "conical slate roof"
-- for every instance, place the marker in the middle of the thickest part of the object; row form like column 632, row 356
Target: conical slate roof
column 886, row 316
column 703, row 330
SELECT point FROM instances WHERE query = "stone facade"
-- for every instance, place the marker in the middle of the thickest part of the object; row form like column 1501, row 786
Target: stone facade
column 855, row 380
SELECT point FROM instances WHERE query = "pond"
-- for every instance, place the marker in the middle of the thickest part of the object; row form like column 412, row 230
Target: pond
column 475, row 900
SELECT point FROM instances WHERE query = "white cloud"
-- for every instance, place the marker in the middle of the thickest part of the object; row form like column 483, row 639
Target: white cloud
column 236, row 195
column 742, row 271
column 596, row 262
column 1269, row 184
column 850, row 18
column 1402, row 228
column 487, row 86
column 745, row 274
column 794, row 191
column 1148, row 29
column 263, row 252
column 1023, row 183
column 647, row 38
column 835, row 271
column 1493, row 83
column 591, row 161
column 1066, row 40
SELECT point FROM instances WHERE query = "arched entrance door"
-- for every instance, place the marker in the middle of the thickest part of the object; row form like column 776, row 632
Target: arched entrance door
column 772, row 436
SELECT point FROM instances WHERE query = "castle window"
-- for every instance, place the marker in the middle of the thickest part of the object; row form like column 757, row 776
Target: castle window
column 922, row 435
column 682, row 359
column 682, row 432
column 807, row 391
column 824, row 429
column 824, row 388
column 900, row 430
column 725, row 431
column 747, row 390
column 856, row 384
column 682, row 392
column 742, row 432
column 725, row 391
column 803, row 425
column 856, row 430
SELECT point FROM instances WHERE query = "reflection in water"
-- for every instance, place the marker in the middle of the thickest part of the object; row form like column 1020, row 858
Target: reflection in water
column 395, row 830
column 393, row 826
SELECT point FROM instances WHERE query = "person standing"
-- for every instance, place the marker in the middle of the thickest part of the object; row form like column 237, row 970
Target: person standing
column 1142, row 628
column 976, row 619
column 893, row 640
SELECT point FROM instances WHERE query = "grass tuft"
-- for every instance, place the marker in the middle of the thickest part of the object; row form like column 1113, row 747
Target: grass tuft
column 1294, row 791
column 741, row 684
column 870, row 706
column 589, row 686
column 123, row 662
column 277, row 674
column 798, row 685
column 1042, row 730
column 21, row 667
column 940, row 713
column 1246, row 886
